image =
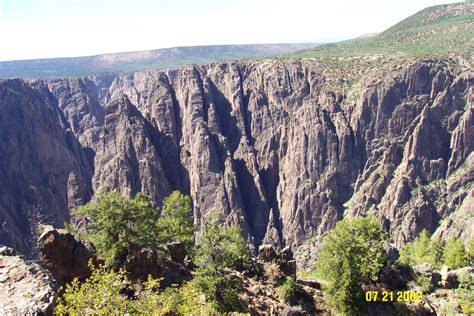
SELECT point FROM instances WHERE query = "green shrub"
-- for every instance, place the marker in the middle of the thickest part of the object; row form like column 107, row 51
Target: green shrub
column 352, row 255
column 185, row 300
column 465, row 293
column 425, row 283
column 470, row 251
column 288, row 290
column 99, row 295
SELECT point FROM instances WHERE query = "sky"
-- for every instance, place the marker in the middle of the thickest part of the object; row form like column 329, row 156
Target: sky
column 32, row 29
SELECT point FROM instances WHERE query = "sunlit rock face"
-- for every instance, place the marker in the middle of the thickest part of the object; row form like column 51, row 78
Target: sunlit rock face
column 285, row 149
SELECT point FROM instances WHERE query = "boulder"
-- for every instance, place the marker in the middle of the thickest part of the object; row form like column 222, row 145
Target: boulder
column 267, row 253
column 64, row 256
column 26, row 288
column 288, row 267
column 423, row 269
column 141, row 262
column 286, row 254
column 449, row 279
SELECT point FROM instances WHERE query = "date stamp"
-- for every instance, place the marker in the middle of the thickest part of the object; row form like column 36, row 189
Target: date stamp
column 390, row 296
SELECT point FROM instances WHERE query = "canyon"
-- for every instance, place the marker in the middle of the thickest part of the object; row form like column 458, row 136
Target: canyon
column 284, row 148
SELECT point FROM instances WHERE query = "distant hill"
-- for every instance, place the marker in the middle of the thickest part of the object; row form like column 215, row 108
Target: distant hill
column 435, row 31
column 141, row 60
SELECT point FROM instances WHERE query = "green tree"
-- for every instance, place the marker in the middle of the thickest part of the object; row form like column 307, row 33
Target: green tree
column 406, row 254
column 176, row 223
column 437, row 248
column 352, row 255
column 423, row 250
column 470, row 251
column 455, row 255
column 116, row 222
column 221, row 248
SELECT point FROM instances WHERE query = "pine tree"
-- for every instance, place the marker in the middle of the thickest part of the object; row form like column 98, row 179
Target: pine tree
column 455, row 255
column 220, row 248
column 352, row 255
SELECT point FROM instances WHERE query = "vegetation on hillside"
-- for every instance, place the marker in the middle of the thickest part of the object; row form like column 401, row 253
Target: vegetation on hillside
column 140, row 61
column 437, row 31
column 103, row 294
column 432, row 250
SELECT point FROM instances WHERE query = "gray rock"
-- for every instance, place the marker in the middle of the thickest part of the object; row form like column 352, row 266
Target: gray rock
column 283, row 148
column 449, row 279
column 25, row 287
column 267, row 253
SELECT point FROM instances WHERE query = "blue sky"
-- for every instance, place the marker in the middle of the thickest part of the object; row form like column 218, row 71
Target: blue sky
column 61, row 28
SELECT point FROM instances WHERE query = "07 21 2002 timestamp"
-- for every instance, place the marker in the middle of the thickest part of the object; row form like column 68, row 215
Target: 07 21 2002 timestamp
column 391, row 296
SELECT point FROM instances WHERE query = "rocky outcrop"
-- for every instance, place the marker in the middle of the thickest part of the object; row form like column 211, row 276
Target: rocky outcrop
column 284, row 149
column 64, row 256
column 140, row 263
column 284, row 259
column 25, row 287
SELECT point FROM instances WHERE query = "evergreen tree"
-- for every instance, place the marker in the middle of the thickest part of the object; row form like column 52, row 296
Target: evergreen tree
column 352, row 255
column 115, row 222
column 423, row 250
column 436, row 249
column 176, row 223
column 455, row 255
column 221, row 248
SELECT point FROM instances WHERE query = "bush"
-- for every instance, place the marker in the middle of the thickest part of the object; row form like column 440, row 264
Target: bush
column 455, row 255
column 470, row 251
column 425, row 283
column 221, row 248
column 352, row 255
column 99, row 295
column 465, row 293
column 116, row 222
column 273, row 271
column 185, row 300
column 288, row 290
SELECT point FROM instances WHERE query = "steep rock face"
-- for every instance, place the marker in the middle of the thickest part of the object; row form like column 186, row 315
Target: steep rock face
column 284, row 149
column 41, row 163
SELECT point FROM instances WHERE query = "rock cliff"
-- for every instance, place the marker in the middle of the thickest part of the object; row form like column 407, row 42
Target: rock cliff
column 284, row 148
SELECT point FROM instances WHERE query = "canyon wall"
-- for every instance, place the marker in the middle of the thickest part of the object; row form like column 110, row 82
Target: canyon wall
column 285, row 149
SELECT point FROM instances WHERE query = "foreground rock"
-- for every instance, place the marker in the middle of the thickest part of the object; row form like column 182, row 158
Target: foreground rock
column 25, row 287
column 284, row 259
column 141, row 262
column 64, row 256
